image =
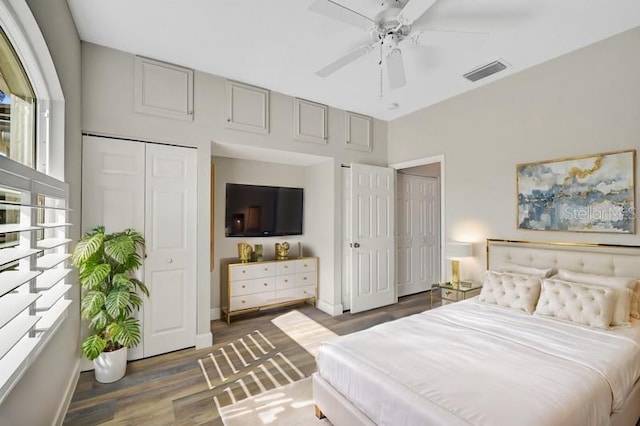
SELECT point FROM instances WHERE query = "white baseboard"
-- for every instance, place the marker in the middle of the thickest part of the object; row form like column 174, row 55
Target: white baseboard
column 215, row 314
column 66, row 401
column 332, row 310
column 204, row 340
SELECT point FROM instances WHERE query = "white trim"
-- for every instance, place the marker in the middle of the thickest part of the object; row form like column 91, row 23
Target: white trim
column 215, row 314
column 421, row 162
column 330, row 309
column 204, row 340
column 68, row 395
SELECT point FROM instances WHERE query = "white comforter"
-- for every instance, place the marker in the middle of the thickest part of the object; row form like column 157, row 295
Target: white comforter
column 471, row 363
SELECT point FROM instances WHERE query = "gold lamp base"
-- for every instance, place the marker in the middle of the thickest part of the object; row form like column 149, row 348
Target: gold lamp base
column 455, row 272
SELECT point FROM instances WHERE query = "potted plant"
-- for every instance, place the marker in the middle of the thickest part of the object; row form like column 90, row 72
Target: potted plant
column 106, row 263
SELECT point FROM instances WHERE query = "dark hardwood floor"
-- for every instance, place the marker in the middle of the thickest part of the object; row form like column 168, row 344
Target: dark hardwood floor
column 171, row 389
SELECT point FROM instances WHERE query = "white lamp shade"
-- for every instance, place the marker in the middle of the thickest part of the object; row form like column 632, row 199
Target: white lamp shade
column 458, row 250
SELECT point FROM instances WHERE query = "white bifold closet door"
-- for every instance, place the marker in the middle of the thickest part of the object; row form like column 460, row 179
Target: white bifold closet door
column 153, row 189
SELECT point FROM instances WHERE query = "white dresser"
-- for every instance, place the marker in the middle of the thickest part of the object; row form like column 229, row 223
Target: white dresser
column 261, row 285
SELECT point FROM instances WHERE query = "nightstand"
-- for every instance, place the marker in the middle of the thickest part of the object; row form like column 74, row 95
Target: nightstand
column 450, row 293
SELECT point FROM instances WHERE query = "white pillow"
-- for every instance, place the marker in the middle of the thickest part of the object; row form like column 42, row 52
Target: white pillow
column 618, row 283
column 515, row 291
column 528, row 270
column 578, row 303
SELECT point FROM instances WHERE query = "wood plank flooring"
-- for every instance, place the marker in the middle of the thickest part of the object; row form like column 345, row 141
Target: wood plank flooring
column 170, row 389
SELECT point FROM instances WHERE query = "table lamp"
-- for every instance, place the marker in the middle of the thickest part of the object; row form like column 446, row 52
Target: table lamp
column 456, row 251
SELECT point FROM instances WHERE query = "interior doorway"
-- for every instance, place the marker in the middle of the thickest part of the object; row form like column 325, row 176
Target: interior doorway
column 419, row 224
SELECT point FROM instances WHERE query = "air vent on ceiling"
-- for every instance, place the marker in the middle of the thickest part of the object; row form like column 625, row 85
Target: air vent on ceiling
column 485, row 71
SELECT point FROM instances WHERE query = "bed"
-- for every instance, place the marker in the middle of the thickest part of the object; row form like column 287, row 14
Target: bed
column 566, row 355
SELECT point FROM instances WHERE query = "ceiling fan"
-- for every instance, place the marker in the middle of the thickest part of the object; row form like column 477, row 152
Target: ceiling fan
column 388, row 29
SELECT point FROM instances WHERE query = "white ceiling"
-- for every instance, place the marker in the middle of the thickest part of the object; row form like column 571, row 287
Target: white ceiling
column 280, row 44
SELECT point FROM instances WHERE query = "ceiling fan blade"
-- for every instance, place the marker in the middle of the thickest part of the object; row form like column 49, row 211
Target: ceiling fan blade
column 456, row 39
column 395, row 69
column 341, row 13
column 413, row 10
column 344, row 60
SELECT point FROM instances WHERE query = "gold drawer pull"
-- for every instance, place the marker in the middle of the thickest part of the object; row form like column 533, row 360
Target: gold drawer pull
column 448, row 293
column 243, row 301
column 286, row 266
column 265, row 284
column 286, row 281
column 304, row 266
column 244, row 272
column 266, row 269
column 304, row 278
column 244, row 286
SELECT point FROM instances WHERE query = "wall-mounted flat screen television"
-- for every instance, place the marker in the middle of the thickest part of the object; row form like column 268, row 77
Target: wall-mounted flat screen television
column 262, row 211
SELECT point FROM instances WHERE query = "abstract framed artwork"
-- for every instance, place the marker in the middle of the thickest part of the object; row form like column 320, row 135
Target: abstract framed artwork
column 593, row 193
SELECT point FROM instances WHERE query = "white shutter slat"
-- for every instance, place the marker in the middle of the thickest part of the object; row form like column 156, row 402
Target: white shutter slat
column 49, row 225
column 48, row 261
column 13, row 332
column 10, row 255
column 12, row 304
column 8, row 229
column 10, row 280
column 53, row 315
column 51, row 296
column 49, row 243
column 18, row 356
column 50, row 277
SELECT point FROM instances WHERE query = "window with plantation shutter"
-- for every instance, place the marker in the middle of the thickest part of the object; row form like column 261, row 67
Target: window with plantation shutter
column 34, row 265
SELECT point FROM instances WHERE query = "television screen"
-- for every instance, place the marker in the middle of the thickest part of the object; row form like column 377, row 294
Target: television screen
column 262, row 211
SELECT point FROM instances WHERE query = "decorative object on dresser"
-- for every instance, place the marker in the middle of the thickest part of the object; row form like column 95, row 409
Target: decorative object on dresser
column 269, row 284
column 282, row 251
column 455, row 252
column 244, row 252
column 593, row 193
column 257, row 253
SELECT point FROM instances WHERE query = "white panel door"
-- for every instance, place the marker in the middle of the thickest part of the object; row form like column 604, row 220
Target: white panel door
column 372, row 237
column 346, row 236
column 418, row 233
column 170, row 232
column 113, row 192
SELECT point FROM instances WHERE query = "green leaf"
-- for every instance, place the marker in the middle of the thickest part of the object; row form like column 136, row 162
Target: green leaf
column 87, row 247
column 140, row 286
column 93, row 346
column 117, row 303
column 99, row 321
column 127, row 332
column 93, row 276
column 92, row 303
column 120, row 249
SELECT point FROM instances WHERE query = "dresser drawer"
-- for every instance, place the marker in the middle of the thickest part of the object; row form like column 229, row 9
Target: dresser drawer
column 259, row 285
column 306, row 265
column 252, row 300
column 308, row 278
column 295, row 293
column 251, row 270
column 286, row 281
column 285, row 267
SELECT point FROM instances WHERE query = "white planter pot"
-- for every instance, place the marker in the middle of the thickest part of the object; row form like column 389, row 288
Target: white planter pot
column 111, row 366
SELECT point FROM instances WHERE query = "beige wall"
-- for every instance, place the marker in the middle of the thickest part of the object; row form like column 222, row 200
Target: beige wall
column 41, row 395
column 582, row 103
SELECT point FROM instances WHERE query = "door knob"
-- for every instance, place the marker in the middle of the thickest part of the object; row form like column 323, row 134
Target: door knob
column 169, row 260
column 356, row 245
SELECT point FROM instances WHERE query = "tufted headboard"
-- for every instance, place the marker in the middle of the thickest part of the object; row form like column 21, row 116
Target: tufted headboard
column 601, row 259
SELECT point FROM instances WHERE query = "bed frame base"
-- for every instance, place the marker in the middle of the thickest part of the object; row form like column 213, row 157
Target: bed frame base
column 340, row 411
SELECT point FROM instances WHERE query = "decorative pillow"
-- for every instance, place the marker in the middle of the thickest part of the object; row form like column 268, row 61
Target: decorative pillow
column 576, row 302
column 617, row 283
column 515, row 291
column 528, row 270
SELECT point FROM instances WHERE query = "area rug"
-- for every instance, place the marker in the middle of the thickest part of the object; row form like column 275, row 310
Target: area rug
column 288, row 405
column 304, row 331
